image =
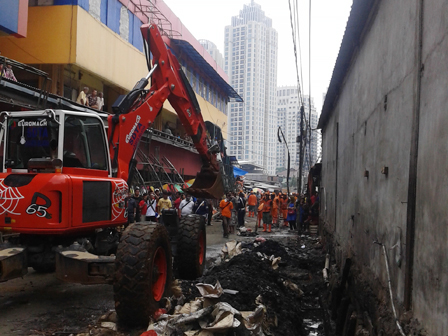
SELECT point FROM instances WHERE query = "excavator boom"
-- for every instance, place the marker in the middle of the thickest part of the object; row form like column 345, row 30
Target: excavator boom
column 139, row 108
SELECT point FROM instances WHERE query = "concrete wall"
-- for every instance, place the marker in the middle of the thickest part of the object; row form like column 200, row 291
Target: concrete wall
column 430, row 295
column 370, row 128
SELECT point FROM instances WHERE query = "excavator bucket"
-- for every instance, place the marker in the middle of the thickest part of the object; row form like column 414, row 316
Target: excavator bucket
column 208, row 184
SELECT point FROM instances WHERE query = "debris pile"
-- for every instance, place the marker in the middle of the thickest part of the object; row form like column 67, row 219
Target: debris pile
column 260, row 287
column 265, row 273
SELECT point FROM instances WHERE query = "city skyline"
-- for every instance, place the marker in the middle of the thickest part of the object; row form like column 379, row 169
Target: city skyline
column 250, row 55
column 288, row 118
column 328, row 22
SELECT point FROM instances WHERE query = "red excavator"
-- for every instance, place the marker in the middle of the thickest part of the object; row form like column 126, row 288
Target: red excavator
column 64, row 185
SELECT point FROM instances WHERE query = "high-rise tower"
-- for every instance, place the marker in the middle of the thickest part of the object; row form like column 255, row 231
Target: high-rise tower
column 213, row 51
column 250, row 54
column 288, row 118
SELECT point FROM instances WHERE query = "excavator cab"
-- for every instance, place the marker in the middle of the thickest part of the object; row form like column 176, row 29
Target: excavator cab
column 57, row 174
column 31, row 141
column 48, row 141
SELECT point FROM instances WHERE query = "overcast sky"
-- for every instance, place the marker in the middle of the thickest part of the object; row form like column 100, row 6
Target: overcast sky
column 206, row 19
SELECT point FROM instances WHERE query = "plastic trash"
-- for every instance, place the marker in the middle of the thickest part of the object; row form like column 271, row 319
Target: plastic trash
column 109, row 325
column 253, row 320
column 230, row 291
column 224, row 315
column 159, row 312
column 275, row 262
column 231, row 249
column 210, row 291
column 292, row 286
column 189, row 307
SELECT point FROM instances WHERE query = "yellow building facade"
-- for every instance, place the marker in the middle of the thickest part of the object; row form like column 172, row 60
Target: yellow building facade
column 100, row 47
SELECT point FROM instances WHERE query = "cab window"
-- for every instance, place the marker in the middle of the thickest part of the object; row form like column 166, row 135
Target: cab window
column 84, row 143
column 28, row 138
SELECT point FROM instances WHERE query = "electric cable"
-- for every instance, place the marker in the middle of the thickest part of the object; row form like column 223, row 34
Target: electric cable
column 296, row 22
column 309, row 80
column 295, row 49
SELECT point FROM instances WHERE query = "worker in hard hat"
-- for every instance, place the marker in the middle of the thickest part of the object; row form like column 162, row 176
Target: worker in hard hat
column 226, row 207
column 267, row 216
column 252, row 202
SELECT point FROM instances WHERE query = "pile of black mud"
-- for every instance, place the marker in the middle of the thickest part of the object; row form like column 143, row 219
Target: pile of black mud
column 252, row 275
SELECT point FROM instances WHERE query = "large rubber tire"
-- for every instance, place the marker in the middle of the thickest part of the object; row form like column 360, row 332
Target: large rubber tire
column 143, row 272
column 191, row 247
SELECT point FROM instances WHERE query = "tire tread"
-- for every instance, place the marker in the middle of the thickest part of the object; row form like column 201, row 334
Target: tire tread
column 132, row 289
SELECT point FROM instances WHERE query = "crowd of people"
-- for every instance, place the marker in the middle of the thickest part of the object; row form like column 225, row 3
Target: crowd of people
column 93, row 100
column 271, row 209
column 151, row 203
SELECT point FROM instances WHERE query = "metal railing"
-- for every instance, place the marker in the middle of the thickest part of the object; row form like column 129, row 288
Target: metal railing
column 174, row 139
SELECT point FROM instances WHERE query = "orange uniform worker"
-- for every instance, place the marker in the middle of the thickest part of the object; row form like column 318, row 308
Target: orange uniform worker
column 274, row 210
column 267, row 217
column 226, row 207
column 252, row 202
column 284, row 207
column 260, row 213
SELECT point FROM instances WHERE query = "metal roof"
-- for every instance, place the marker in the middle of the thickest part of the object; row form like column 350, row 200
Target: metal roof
column 359, row 17
column 187, row 48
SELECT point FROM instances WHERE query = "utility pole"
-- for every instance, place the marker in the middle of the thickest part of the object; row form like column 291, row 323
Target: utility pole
column 299, row 177
column 279, row 131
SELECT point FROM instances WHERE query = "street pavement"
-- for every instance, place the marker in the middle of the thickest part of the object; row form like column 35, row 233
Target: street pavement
column 215, row 232
column 39, row 304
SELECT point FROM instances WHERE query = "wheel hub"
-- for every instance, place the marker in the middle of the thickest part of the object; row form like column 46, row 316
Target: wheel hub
column 159, row 274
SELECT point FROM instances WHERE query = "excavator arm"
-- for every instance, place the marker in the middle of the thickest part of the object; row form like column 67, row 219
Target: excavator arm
column 136, row 112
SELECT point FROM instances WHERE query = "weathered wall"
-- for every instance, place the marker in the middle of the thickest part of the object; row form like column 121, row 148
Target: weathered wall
column 430, row 295
column 373, row 115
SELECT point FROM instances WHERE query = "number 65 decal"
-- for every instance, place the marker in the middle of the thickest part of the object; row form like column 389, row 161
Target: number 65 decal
column 39, row 209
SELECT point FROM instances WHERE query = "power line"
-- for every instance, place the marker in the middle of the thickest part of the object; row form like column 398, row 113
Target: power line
column 296, row 22
column 261, row 142
column 309, row 79
column 302, row 112
column 295, row 46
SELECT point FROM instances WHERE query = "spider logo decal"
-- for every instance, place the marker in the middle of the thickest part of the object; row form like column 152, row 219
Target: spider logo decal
column 9, row 199
column 118, row 199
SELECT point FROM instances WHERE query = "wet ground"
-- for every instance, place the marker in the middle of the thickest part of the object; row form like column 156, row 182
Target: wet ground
column 39, row 304
column 293, row 294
